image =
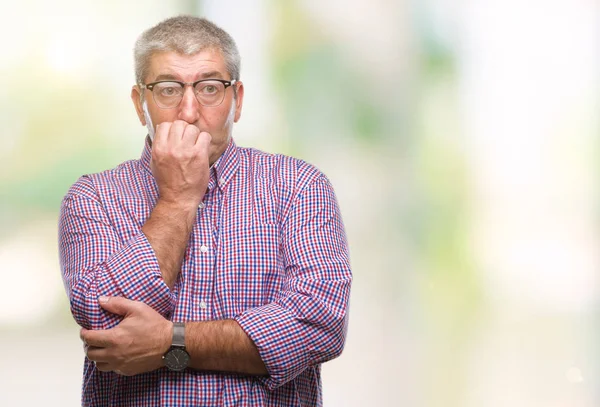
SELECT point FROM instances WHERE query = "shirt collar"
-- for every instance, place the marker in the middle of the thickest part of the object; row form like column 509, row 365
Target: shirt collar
column 222, row 171
column 146, row 155
column 225, row 167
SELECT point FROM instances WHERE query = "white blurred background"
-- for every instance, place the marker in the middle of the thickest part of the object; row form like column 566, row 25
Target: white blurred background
column 461, row 138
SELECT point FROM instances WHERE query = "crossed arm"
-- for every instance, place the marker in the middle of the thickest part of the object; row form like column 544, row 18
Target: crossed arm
column 129, row 349
column 137, row 344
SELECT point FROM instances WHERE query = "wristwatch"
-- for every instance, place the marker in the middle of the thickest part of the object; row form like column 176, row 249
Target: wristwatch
column 177, row 358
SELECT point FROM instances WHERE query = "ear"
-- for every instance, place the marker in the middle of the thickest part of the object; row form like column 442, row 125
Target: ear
column 136, row 98
column 239, row 101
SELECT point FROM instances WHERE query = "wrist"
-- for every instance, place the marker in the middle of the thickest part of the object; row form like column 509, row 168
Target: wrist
column 179, row 204
column 177, row 358
column 166, row 339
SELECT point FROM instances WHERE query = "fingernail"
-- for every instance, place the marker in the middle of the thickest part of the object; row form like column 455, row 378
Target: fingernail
column 103, row 299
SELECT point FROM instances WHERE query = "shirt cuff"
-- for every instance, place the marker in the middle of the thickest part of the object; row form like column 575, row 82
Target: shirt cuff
column 279, row 338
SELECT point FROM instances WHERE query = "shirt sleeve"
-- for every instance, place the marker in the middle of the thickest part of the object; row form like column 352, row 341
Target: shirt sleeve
column 306, row 324
column 95, row 261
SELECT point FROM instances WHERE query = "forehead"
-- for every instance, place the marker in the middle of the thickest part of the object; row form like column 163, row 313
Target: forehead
column 187, row 68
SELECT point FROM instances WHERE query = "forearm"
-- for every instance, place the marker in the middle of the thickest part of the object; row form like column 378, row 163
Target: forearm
column 222, row 346
column 180, row 168
column 168, row 230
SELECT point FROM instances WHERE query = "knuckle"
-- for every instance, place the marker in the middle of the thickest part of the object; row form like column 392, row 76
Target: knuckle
column 178, row 126
column 205, row 137
column 117, row 337
column 119, row 359
column 193, row 129
column 164, row 126
column 178, row 155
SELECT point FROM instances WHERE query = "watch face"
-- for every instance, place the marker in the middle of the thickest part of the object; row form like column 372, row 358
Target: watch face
column 177, row 359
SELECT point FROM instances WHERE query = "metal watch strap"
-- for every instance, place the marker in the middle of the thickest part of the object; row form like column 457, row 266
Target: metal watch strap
column 178, row 334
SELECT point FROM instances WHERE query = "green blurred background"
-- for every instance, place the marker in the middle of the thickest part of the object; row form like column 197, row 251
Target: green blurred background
column 461, row 138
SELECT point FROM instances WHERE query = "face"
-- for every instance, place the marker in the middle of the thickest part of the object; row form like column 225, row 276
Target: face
column 216, row 120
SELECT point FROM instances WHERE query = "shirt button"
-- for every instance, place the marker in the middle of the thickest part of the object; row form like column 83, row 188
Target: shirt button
column 203, row 249
column 222, row 181
column 203, row 305
column 202, row 205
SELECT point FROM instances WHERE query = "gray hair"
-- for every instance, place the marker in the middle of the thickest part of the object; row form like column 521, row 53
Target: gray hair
column 186, row 35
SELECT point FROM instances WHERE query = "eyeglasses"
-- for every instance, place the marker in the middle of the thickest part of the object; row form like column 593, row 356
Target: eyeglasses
column 168, row 94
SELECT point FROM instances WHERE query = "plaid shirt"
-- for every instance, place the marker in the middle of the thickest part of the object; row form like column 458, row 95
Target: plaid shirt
column 268, row 249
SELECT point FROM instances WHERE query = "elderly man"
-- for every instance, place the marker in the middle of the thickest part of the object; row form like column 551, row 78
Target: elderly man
column 203, row 273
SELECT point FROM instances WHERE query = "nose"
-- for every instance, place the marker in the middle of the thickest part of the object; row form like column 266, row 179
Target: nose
column 189, row 106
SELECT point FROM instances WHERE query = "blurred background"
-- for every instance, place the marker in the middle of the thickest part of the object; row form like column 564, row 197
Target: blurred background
column 461, row 138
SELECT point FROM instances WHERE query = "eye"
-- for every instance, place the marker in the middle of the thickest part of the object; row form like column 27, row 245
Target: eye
column 209, row 89
column 168, row 89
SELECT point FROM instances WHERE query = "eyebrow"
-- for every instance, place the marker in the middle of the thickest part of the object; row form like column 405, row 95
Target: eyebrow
column 212, row 74
column 204, row 75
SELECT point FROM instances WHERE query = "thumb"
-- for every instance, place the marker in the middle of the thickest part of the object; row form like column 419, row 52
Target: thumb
column 117, row 305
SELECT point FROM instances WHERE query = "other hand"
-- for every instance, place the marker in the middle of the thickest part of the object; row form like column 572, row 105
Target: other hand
column 134, row 346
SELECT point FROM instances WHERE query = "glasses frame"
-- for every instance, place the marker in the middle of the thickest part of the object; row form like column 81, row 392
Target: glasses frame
column 150, row 87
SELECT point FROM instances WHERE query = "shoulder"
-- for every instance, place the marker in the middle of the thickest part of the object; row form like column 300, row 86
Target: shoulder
column 94, row 185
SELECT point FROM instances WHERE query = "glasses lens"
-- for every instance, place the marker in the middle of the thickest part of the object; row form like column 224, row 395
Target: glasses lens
column 167, row 94
column 210, row 93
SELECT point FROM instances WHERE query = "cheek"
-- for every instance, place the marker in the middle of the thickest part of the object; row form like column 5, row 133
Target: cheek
column 166, row 115
column 218, row 119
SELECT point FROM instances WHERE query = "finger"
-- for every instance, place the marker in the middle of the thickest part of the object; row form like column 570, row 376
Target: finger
column 104, row 367
column 202, row 146
column 97, row 354
column 161, row 134
column 176, row 131
column 117, row 305
column 99, row 339
column 190, row 135
column 204, row 139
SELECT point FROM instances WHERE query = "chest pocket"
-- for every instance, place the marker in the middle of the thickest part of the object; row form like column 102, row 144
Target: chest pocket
column 250, row 270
